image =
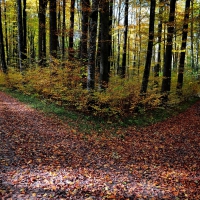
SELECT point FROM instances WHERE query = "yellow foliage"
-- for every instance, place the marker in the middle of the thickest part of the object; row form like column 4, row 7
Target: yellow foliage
column 63, row 85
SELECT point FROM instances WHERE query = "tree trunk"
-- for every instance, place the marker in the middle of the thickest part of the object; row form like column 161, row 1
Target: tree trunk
column 42, row 32
column 84, row 40
column 2, row 51
column 20, row 33
column 63, row 30
column 53, row 29
column 192, row 36
column 146, row 73
column 71, row 31
column 123, row 68
column 6, row 31
column 159, row 40
column 92, row 45
column 110, row 35
column 24, row 30
column 104, row 63
column 118, row 38
column 84, row 36
column 183, row 47
column 166, row 82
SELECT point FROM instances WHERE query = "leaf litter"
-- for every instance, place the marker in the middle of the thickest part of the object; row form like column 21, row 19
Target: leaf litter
column 43, row 158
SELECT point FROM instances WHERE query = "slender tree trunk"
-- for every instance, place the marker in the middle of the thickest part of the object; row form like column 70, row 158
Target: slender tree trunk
column 84, row 40
column 140, row 38
column 118, row 38
column 20, row 33
column 123, row 69
column 84, row 36
column 2, row 51
column 92, row 45
column 159, row 40
column 63, row 30
column 183, row 47
column 6, row 31
column 71, row 32
column 166, row 82
column 24, row 30
column 104, row 63
column 42, row 32
column 53, row 28
column 110, row 35
column 146, row 73
column 192, row 36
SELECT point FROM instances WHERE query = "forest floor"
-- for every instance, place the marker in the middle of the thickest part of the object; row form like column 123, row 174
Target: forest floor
column 41, row 157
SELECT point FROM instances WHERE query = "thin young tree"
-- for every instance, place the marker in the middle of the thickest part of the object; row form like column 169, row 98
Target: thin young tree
column 84, row 40
column 166, row 81
column 92, row 45
column 42, row 32
column 63, row 29
column 53, row 28
column 6, row 30
column 2, row 51
column 183, row 47
column 71, row 31
column 20, row 33
column 84, row 30
column 123, row 68
column 24, row 20
column 104, row 51
column 146, row 73
column 157, row 66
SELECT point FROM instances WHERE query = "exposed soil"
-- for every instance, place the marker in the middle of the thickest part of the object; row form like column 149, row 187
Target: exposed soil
column 42, row 157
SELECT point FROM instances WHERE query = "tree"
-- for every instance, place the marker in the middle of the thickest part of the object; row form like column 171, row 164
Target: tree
column 63, row 30
column 92, row 45
column 159, row 40
column 166, row 81
column 123, row 69
column 2, row 51
column 24, row 19
column 53, row 28
column 104, row 52
column 84, row 30
column 146, row 73
column 71, row 31
column 183, row 47
column 42, row 32
column 20, row 33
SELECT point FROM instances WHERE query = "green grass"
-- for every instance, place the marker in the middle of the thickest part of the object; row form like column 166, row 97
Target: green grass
column 87, row 124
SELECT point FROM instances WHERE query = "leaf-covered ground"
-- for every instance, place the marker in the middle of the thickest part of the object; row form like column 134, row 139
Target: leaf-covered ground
column 43, row 158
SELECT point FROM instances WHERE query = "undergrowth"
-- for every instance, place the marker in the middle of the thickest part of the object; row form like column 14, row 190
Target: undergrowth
column 59, row 91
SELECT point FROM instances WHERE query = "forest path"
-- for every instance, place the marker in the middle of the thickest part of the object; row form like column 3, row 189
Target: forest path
column 43, row 158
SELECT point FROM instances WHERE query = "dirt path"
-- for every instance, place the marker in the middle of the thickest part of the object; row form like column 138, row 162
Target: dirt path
column 43, row 158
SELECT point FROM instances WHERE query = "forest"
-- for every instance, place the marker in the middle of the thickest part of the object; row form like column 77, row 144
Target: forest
column 99, row 100
column 107, row 58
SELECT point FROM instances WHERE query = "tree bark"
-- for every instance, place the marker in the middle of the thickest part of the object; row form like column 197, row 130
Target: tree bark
column 84, row 36
column 183, row 47
column 63, row 30
column 166, row 82
column 159, row 40
column 2, row 51
column 104, row 52
column 71, row 31
column 42, row 32
column 92, row 45
column 123, row 68
column 146, row 73
column 20, row 33
column 24, row 19
column 53, row 29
